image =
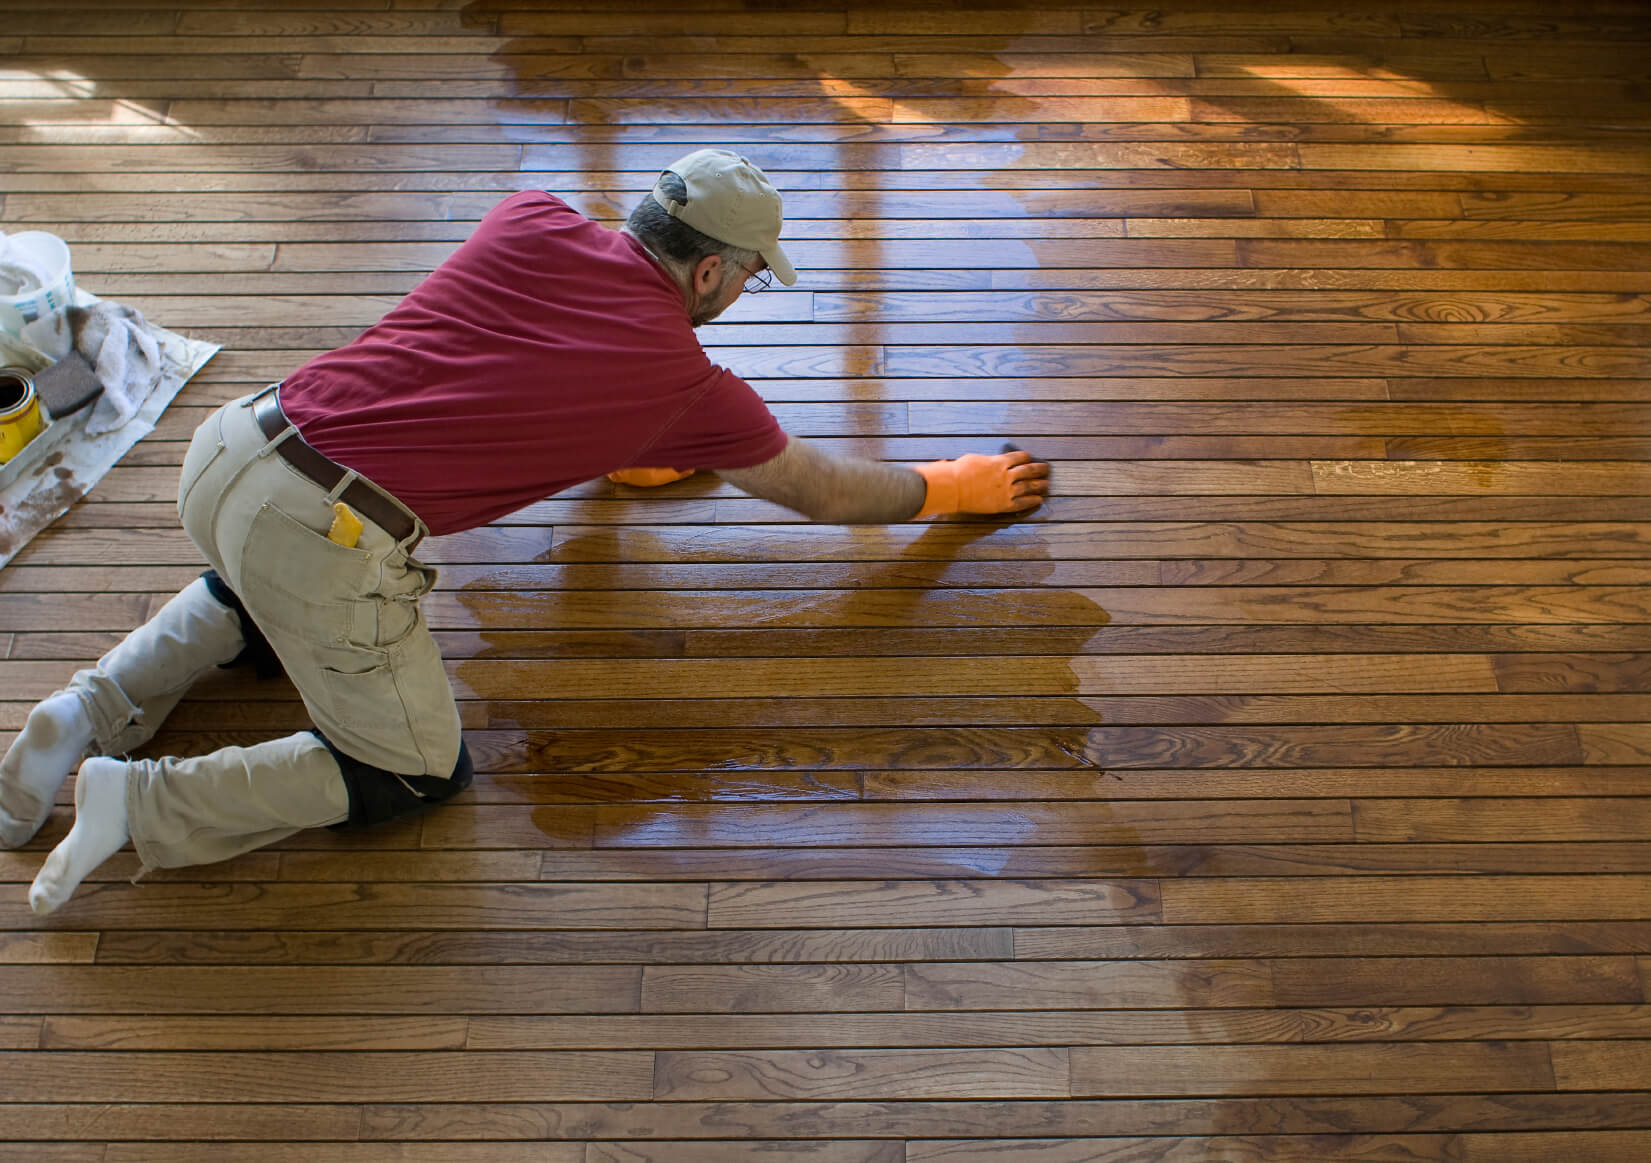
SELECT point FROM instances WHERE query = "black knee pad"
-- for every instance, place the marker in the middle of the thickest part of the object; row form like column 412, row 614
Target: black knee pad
column 377, row 795
column 257, row 652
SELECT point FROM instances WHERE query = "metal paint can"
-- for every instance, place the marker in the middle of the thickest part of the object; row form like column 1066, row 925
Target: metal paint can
column 20, row 417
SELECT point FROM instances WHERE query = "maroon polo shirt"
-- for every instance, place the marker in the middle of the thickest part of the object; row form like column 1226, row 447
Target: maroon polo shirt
column 546, row 351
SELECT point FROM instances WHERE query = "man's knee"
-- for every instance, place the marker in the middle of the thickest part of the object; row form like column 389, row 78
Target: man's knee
column 377, row 795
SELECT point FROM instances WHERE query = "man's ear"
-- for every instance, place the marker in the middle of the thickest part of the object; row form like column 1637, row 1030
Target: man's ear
column 708, row 274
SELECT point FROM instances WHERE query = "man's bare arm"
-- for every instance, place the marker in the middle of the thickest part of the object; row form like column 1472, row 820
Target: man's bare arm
column 832, row 490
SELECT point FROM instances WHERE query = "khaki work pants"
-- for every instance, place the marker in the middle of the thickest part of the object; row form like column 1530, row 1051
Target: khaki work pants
column 344, row 621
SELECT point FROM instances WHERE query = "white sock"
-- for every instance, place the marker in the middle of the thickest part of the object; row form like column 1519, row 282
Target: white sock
column 100, row 831
column 52, row 741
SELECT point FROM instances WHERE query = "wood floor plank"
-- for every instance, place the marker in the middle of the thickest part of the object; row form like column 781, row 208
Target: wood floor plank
column 164, row 1031
column 19, row 1033
column 363, row 990
column 1260, row 782
column 687, row 1076
column 303, row 1149
column 1087, row 1026
column 1607, row 1146
column 1223, row 531
column 529, row 947
column 877, row 864
column 1581, row 820
column 1098, row 860
column 782, row 946
column 211, row 905
column 1100, row 748
column 184, row 1121
column 1585, row 1065
column 1540, row 980
column 770, row 575
column 275, row 710
column 47, row 948
column 877, row 824
column 1298, row 1115
column 1505, row 476
column 754, row 1152
column 714, row 679
column 1422, row 898
column 1357, row 938
column 1083, row 985
column 935, row 902
column 1600, row 1145
column 53, row 1152
column 318, row 1076
column 1395, row 1068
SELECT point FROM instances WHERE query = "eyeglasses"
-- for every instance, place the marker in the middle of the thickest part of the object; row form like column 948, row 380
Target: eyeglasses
column 759, row 280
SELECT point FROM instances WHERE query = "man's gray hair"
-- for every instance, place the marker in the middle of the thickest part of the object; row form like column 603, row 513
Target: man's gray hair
column 676, row 243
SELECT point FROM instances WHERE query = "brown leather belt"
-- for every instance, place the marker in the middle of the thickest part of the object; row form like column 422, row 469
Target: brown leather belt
column 362, row 495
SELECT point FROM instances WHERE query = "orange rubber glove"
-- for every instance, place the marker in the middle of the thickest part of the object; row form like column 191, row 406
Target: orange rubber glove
column 647, row 478
column 1010, row 482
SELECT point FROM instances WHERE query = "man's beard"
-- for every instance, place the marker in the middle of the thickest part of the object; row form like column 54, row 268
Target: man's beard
column 705, row 311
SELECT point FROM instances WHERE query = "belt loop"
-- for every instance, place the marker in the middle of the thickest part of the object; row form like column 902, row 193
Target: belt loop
column 278, row 439
column 349, row 478
column 272, row 443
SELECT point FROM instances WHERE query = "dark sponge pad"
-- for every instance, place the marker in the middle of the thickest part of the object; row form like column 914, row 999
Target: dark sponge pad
column 68, row 385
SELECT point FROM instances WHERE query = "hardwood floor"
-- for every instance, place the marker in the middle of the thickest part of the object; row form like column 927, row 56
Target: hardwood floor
column 1280, row 792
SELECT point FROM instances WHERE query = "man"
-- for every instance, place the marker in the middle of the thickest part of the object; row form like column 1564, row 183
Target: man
column 548, row 350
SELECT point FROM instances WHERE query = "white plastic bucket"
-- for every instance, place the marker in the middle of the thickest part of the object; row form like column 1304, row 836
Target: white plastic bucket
column 50, row 253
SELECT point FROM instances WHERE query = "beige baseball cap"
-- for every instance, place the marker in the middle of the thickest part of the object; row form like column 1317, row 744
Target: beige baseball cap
column 732, row 201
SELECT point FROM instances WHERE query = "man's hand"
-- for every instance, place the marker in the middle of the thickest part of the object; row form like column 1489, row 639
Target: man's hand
column 1010, row 482
column 647, row 478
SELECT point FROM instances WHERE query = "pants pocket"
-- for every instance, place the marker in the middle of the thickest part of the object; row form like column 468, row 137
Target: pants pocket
column 362, row 698
column 296, row 582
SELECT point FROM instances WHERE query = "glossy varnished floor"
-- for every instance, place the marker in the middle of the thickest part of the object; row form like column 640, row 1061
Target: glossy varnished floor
column 1281, row 792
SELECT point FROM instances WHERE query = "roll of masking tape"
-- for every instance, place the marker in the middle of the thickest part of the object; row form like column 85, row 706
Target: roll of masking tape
column 20, row 417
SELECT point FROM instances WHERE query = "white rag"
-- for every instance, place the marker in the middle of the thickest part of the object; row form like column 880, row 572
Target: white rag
column 14, row 352
column 121, row 347
column 20, row 272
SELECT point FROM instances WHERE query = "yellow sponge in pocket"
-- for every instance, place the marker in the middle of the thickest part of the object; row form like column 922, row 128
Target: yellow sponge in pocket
column 346, row 526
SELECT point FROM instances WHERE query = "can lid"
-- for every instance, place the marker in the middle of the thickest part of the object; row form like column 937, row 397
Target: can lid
column 16, row 392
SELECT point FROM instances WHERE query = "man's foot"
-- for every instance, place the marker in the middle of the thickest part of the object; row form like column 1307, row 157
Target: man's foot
column 100, row 831
column 52, row 741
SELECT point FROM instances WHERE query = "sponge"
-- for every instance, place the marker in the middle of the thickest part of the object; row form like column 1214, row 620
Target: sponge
column 68, row 385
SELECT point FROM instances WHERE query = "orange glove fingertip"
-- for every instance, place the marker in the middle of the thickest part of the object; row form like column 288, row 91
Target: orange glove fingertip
column 648, row 478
